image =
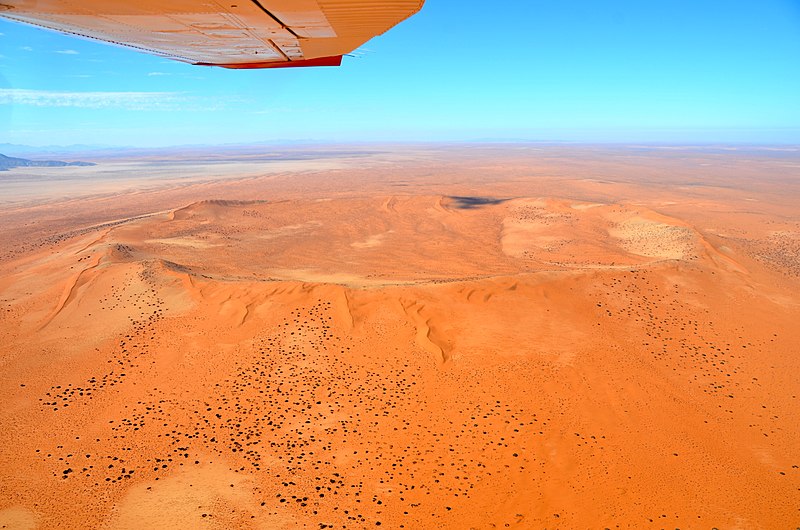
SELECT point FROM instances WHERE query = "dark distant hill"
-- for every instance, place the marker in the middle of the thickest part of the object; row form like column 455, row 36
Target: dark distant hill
column 8, row 162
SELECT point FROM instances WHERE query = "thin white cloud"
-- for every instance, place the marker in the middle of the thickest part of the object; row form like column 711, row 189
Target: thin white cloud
column 159, row 101
column 26, row 48
column 154, row 74
column 98, row 100
column 67, row 52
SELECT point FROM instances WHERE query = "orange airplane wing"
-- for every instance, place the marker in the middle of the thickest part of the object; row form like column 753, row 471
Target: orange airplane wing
column 228, row 33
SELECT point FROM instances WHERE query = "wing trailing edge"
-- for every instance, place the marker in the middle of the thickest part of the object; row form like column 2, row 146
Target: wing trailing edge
column 227, row 33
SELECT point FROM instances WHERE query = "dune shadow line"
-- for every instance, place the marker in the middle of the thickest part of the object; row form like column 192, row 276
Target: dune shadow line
column 467, row 203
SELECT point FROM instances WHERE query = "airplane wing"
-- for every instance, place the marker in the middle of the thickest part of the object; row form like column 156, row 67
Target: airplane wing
column 227, row 33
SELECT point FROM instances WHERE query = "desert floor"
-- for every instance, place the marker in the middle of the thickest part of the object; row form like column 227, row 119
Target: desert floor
column 485, row 336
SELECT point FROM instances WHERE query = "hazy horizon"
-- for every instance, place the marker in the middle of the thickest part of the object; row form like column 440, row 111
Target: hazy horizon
column 13, row 149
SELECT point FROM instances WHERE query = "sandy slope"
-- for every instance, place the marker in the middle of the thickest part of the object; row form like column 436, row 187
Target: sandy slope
column 408, row 360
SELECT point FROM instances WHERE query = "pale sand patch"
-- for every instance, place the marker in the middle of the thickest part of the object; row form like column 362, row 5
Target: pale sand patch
column 180, row 501
column 371, row 242
column 653, row 239
column 183, row 242
column 586, row 205
column 18, row 518
column 290, row 230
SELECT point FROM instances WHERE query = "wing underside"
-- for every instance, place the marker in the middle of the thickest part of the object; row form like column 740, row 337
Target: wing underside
column 229, row 33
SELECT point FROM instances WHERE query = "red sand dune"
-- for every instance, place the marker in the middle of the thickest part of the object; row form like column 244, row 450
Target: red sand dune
column 440, row 338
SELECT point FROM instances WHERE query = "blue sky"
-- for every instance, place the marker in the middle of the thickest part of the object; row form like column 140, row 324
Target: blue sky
column 566, row 70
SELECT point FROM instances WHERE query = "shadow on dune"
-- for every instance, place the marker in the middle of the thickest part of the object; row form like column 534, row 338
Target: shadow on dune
column 467, row 203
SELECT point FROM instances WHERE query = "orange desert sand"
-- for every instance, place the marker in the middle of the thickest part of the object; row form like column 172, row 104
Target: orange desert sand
column 411, row 337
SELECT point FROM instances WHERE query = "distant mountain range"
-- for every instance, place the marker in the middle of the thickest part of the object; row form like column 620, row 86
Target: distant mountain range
column 8, row 162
